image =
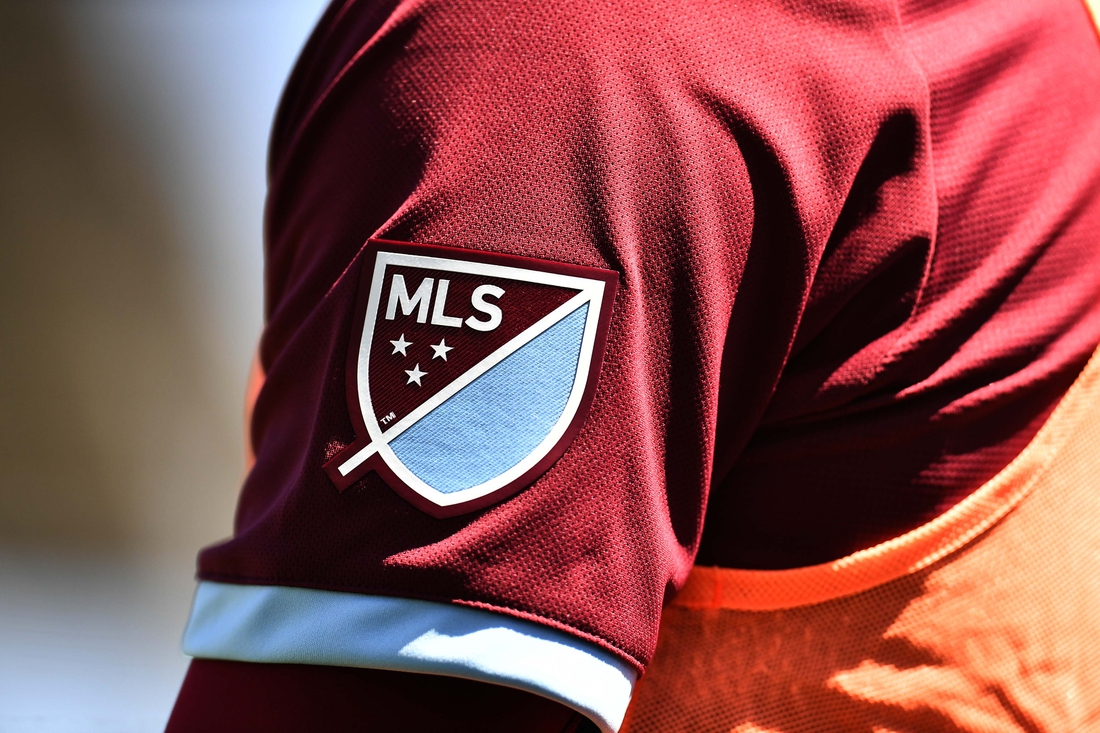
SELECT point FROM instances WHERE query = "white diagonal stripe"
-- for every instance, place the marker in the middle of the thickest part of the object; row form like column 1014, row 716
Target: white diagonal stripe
column 502, row 353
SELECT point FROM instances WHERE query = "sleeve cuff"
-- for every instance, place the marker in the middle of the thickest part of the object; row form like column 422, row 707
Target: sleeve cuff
column 282, row 624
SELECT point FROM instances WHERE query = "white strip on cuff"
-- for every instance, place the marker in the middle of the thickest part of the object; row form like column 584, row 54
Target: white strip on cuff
column 259, row 623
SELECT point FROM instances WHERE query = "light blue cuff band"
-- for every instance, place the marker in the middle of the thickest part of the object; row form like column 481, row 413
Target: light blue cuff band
column 255, row 623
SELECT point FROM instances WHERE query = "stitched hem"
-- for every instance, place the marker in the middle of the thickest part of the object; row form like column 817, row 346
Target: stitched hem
column 389, row 592
column 290, row 625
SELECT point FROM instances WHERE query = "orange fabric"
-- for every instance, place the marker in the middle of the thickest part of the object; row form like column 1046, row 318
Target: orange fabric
column 985, row 619
column 256, row 379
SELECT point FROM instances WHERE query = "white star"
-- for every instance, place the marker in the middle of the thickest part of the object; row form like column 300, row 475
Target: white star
column 441, row 349
column 400, row 345
column 414, row 375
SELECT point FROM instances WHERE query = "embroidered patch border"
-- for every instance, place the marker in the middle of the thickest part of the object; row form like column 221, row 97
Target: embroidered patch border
column 453, row 436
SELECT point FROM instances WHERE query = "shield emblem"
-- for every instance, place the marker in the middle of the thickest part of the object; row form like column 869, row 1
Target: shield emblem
column 469, row 373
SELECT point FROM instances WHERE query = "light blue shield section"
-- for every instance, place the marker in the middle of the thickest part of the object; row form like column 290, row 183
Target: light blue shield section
column 501, row 417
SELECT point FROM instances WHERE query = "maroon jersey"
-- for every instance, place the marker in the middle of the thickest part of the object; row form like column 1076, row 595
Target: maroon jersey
column 848, row 263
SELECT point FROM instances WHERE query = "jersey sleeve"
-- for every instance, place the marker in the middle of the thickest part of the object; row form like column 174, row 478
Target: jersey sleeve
column 675, row 169
column 219, row 696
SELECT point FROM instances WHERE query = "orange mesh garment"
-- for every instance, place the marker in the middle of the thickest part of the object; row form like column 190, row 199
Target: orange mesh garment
column 985, row 619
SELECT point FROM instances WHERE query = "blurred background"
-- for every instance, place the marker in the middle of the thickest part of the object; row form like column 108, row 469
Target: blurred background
column 133, row 136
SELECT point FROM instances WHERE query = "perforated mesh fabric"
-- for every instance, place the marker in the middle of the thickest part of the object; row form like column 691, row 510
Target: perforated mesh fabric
column 856, row 237
column 987, row 619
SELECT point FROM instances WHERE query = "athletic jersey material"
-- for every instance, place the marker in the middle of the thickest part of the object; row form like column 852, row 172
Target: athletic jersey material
column 984, row 619
column 855, row 248
column 861, row 444
column 235, row 697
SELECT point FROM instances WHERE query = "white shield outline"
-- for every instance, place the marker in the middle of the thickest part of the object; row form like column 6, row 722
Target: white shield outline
column 592, row 291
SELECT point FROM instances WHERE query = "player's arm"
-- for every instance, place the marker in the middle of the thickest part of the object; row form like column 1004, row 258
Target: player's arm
column 234, row 697
column 512, row 252
column 238, row 697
